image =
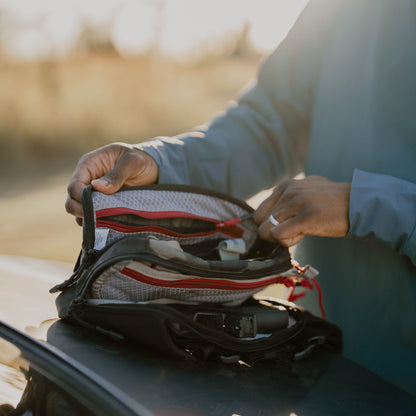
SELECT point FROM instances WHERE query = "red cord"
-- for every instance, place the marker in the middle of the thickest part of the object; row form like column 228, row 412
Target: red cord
column 228, row 223
column 287, row 281
column 290, row 294
column 294, row 297
column 307, row 284
column 321, row 303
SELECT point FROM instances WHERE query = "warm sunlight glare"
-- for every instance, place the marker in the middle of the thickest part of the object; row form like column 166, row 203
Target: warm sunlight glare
column 174, row 27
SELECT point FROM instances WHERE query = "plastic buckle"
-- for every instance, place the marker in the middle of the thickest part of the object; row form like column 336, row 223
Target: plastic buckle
column 239, row 326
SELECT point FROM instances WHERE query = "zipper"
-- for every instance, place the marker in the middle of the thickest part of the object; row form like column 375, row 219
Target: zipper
column 169, row 264
column 173, row 224
column 201, row 283
column 234, row 232
column 94, row 219
column 91, row 255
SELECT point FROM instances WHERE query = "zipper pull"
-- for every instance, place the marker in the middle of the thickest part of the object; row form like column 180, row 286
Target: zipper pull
column 308, row 272
column 233, row 221
column 83, row 264
column 61, row 286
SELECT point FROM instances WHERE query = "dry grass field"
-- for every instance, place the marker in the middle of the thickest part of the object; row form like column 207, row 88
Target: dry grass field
column 53, row 112
column 71, row 106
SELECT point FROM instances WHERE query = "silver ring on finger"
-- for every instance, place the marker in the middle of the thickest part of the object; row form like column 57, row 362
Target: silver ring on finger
column 273, row 221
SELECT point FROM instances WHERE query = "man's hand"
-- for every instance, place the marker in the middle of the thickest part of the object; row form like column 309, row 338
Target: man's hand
column 312, row 206
column 108, row 169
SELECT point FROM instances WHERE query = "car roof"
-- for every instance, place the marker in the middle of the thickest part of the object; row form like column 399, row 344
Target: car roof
column 324, row 385
column 47, row 369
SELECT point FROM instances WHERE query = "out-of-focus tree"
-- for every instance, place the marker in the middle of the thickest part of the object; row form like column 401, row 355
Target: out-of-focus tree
column 243, row 46
column 95, row 38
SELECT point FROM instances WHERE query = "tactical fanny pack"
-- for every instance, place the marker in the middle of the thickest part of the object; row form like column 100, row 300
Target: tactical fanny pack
column 175, row 268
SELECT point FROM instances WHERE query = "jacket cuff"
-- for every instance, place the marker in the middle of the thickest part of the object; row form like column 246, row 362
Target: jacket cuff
column 172, row 170
column 383, row 208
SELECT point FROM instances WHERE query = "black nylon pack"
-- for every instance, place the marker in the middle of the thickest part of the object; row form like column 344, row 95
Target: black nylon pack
column 176, row 268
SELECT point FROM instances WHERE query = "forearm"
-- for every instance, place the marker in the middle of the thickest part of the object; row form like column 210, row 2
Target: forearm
column 242, row 151
column 264, row 135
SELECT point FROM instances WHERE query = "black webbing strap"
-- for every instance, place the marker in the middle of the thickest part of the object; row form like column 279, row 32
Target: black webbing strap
column 174, row 330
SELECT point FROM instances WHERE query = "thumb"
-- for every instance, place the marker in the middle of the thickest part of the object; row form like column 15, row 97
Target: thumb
column 112, row 181
column 106, row 185
column 134, row 167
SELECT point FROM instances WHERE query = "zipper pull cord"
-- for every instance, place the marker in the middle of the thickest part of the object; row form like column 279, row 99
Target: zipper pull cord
column 233, row 221
column 86, row 261
column 61, row 286
column 309, row 273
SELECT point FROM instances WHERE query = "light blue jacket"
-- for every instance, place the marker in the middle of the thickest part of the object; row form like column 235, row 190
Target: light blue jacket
column 337, row 99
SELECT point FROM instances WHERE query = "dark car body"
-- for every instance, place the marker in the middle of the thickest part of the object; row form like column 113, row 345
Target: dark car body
column 67, row 370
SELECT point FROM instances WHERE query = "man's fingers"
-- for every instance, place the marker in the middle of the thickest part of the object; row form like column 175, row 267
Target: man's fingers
column 264, row 210
column 133, row 168
column 281, row 228
column 312, row 206
column 107, row 184
column 260, row 215
column 73, row 201
column 81, row 177
column 267, row 225
column 75, row 188
column 289, row 232
column 113, row 180
column 73, row 207
column 108, row 169
column 291, row 241
column 279, row 214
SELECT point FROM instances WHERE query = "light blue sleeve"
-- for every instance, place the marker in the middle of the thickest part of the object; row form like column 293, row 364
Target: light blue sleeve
column 262, row 136
column 383, row 208
column 242, row 151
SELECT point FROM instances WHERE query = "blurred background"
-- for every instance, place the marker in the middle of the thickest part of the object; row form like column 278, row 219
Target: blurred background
column 78, row 74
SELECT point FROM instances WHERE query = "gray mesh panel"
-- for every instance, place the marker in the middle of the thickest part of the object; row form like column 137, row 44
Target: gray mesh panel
column 113, row 284
column 194, row 204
